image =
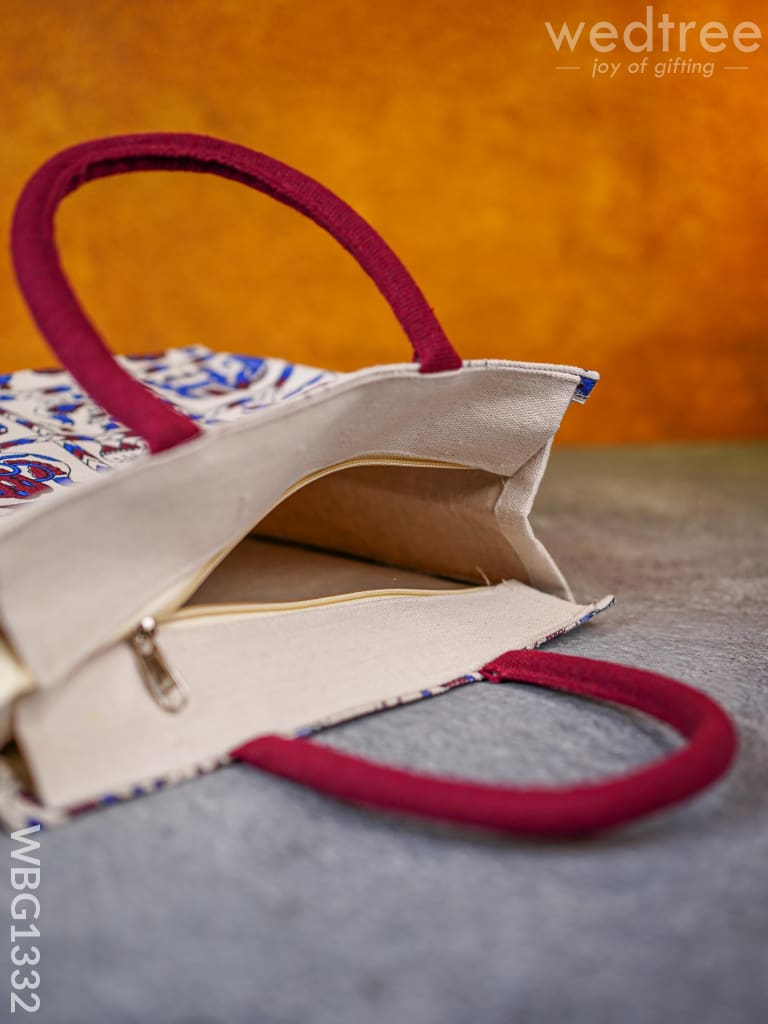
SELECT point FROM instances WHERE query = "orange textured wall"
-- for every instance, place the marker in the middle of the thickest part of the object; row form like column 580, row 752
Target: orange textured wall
column 619, row 225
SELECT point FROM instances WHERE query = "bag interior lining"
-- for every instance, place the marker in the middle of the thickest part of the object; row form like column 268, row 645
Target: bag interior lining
column 371, row 528
column 261, row 570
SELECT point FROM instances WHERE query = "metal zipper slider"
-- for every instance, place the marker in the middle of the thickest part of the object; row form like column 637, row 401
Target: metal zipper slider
column 166, row 688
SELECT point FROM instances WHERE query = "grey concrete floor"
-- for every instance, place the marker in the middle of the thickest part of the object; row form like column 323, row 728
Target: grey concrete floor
column 241, row 897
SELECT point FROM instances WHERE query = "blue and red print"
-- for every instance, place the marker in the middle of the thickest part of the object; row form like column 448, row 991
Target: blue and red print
column 52, row 435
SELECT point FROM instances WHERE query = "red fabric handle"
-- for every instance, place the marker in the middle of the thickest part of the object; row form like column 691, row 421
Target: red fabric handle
column 550, row 811
column 73, row 338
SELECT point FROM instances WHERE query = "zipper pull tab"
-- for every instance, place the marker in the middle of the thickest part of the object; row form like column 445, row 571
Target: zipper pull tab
column 166, row 689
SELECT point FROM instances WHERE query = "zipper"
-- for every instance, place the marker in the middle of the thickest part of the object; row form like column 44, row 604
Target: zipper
column 241, row 609
column 164, row 685
column 365, row 460
column 176, row 596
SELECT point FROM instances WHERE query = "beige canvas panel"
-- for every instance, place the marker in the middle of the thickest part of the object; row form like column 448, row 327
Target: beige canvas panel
column 136, row 540
column 255, row 673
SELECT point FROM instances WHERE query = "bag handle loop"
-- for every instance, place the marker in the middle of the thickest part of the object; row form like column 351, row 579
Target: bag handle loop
column 76, row 342
column 551, row 811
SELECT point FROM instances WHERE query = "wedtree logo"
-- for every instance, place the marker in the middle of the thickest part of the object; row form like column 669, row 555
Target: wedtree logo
column 654, row 35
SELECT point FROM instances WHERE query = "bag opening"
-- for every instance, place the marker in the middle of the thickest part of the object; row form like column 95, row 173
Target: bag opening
column 372, row 527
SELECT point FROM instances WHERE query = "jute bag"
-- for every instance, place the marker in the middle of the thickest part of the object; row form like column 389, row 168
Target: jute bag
column 205, row 556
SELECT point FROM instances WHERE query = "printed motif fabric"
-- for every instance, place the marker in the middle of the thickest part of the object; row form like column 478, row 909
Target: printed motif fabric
column 52, row 435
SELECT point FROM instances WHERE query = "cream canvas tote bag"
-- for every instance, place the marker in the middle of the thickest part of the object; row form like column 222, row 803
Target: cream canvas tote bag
column 206, row 556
